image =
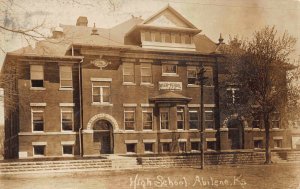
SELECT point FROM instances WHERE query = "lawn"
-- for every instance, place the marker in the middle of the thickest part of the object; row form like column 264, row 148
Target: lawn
column 277, row 176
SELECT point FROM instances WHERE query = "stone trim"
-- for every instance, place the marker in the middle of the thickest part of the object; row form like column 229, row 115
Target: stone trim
column 182, row 140
column 211, row 139
column 194, row 105
column 106, row 117
column 38, row 104
column 258, row 138
column 165, row 140
column 149, row 140
column 209, row 105
column 67, row 104
column 195, row 139
column 101, row 79
column 39, row 143
column 277, row 138
column 131, row 141
column 145, row 105
column 67, row 142
column 129, row 105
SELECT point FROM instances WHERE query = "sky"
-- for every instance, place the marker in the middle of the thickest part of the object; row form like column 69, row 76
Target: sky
column 229, row 17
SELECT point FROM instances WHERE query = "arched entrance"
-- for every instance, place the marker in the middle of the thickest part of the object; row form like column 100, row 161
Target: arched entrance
column 235, row 133
column 103, row 134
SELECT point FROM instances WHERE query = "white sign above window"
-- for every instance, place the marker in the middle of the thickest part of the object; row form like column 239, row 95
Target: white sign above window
column 172, row 86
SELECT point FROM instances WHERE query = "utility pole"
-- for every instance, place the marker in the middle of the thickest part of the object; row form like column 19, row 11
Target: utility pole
column 201, row 79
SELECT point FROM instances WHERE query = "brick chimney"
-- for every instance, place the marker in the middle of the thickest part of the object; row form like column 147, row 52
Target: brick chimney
column 82, row 21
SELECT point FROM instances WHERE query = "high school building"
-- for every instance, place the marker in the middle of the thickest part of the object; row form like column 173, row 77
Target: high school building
column 129, row 89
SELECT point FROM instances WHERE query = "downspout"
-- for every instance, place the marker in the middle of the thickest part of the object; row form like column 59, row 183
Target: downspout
column 80, row 108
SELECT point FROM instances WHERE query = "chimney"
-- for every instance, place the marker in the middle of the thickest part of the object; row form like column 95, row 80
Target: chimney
column 82, row 21
column 94, row 30
column 57, row 32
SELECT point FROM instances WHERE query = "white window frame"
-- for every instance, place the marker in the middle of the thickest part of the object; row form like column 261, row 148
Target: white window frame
column 152, row 145
column 194, row 69
column 43, row 75
column 37, row 110
column 213, row 120
column 38, row 155
column 70, row 79
column 194, row 110
column 66, row 110
column 146, row 66
column 62, row 150
column 147, row 110
column 101, row 92
column 123, row 72
column 167, row 73
column 180, row 110
column 135, row 148
column 160, row 120
column 134, row 117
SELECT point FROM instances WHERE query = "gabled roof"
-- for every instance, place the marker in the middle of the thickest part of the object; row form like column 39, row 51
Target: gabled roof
column 170, row 16
column 170, row 97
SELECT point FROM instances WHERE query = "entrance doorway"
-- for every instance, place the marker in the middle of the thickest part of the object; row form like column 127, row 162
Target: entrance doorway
column 103, row 134
column 235, row 134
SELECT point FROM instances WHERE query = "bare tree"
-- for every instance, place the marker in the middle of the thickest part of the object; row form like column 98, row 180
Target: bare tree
column 261, row 68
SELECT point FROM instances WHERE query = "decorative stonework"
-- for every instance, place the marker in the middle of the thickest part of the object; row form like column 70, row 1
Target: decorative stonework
column 103, row 117
column 235, row 116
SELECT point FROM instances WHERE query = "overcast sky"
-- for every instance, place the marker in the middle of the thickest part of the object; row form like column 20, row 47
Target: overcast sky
column 229, row 17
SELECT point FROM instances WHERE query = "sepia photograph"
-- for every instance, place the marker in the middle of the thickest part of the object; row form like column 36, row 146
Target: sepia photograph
column 148, row 94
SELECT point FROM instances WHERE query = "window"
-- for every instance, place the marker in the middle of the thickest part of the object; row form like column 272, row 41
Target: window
column 131, row 148
column 129, row 118
column 168, row 38
column 37, row 119
column 275, row 120
column 147, row 36
column 258, row 144
column 67, row 119
column 66, row 77
column 166, row 147
column 37, row 75
column 192, row 75
column 157, row 37
column 39, row 150
column 169, row 69
column 211, row 145
column 209, row 118
column 147, row 118
column 101, row 91
column 146, row 73
column 233, row 95
column 164, row 119
column 148, row 147
column 182, row 146
column 277, row 143
column 128, row 72
column 195, row 146
column 194, row 118
column 209, row 75
column 187, row 39
column 177, row 38
column 67, row 149
column 180, row 117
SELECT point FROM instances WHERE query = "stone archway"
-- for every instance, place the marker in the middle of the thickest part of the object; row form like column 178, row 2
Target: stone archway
column 235, row 124
column 103, row 117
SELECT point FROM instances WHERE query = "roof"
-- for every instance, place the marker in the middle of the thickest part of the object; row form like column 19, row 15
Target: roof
column 108, row 37
column 170, row 97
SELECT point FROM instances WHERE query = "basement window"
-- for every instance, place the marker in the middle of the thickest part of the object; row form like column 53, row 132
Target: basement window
column 39, row 150
column 211, row 145
column 258, row 144
column 195, row 146
column 67, row 150
column 37, row 75
column 182, row 147
column 166, row 147
column 131, row 148
column 148, row 147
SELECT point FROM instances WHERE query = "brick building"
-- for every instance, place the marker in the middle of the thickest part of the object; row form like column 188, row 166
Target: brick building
column 129, row 89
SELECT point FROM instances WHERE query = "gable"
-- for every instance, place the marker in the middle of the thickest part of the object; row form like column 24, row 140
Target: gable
column 168, row 17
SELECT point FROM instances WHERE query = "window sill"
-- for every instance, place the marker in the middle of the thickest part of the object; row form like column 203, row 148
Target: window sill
column 209, row 86
column 37, row 88
column 38, row 155
column 101, row 104
column 130, row 152
column 66, row 89
column 148, row 152
column 38, row 131
column 192, row 86
column 129, row 83
column 170, row 75
column 147, row 84
column 68, row 155
column 67, row 131
column 194, row 129
column 210, row 130
column 276, row 129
